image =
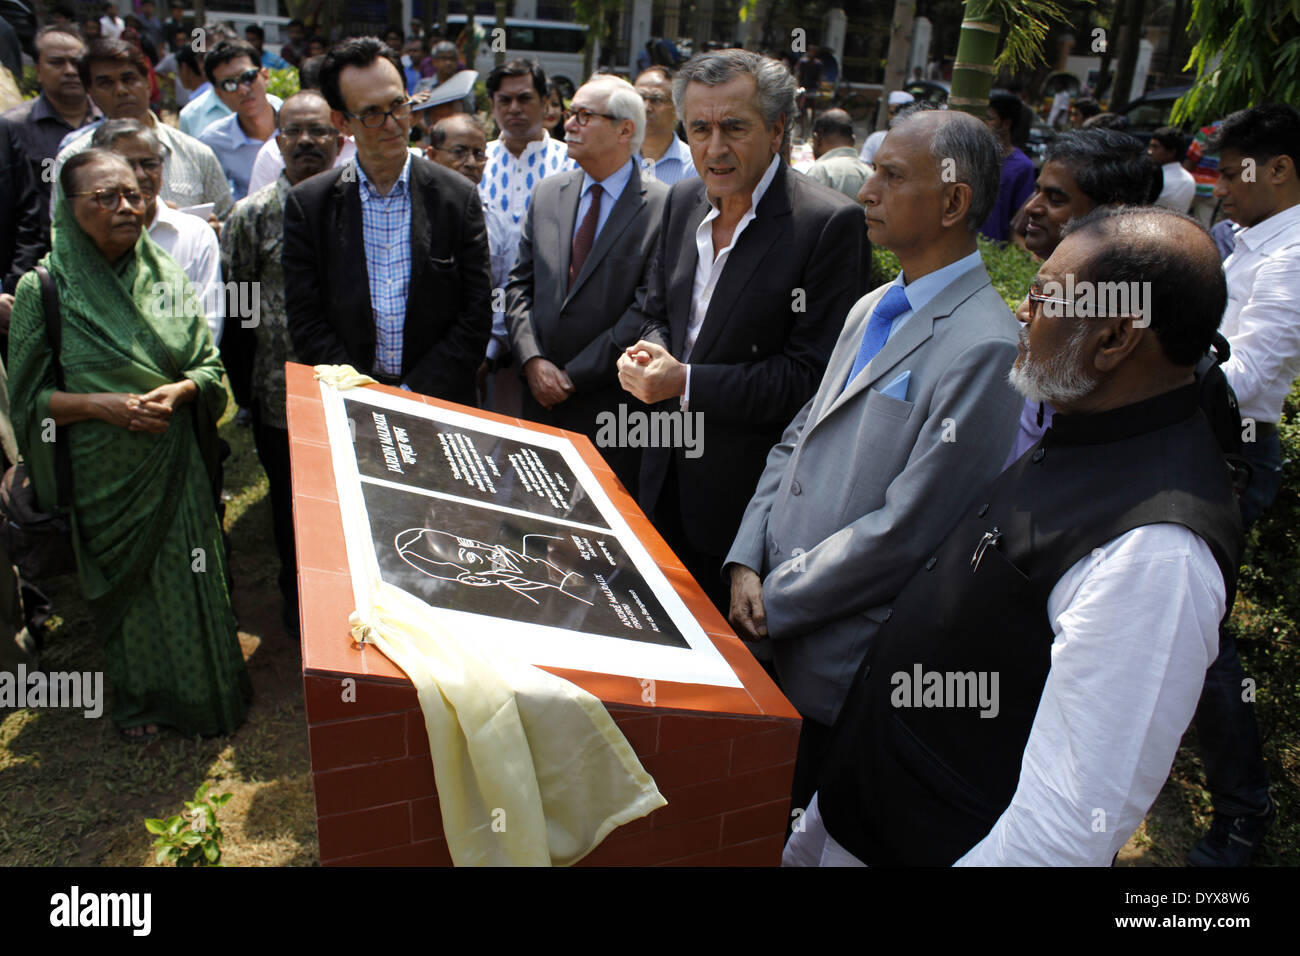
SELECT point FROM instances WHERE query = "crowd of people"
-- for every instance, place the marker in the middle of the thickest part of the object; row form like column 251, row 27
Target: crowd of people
column 900, row 488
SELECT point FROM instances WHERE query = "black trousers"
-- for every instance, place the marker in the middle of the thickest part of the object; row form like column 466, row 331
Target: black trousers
column 706, row 568
column 273, row 450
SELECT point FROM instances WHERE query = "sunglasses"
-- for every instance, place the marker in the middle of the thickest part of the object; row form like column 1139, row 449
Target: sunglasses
column 232, row 83
column 110, row 200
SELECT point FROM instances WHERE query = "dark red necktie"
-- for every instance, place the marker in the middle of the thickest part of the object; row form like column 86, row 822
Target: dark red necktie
column 585, row 236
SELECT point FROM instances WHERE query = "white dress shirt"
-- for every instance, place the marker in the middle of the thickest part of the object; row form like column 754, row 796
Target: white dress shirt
column 1125, row 678
column 1179, row 189
column 1262, row 320
column 708, row 268
column 193, row 244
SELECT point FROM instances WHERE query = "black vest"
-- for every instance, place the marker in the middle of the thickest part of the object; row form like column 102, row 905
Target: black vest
column 909, row 785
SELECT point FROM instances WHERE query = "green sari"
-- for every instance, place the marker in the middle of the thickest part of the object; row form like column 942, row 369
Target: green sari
column 145, row 529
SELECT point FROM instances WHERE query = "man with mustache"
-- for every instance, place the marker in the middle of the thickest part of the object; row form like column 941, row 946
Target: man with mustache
column 1090, row 577
column 251, row 246
column 187, row 239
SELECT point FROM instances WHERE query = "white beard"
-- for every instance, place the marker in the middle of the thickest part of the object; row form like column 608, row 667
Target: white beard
column 1057, row 382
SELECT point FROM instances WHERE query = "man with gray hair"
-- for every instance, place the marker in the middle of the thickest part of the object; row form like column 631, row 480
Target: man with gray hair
column 186, row 238
column 912, row 418
column 756, row 268
column 586, row 243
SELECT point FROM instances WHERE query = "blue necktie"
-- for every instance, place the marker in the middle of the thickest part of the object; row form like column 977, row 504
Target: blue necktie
column 891, row 305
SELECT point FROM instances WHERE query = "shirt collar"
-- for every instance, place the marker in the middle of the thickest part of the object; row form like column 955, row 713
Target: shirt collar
column 165, row 216
column 1257, row 236
column 614, row 184
column 399, row 187
column 920, row 291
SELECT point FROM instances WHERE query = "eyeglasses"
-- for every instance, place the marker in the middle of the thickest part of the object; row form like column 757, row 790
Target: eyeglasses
column 373, row 119
column 584, row 115
column 1037, row 298
column 110, row 200
column 321, row 133
column 232, row 83
column 461, row 153
column 654, row 99
column 150, row 165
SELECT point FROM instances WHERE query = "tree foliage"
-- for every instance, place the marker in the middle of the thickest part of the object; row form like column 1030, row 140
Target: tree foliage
column 1248, row 53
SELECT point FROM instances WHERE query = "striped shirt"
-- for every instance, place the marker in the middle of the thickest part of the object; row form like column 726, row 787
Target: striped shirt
column 386, row 226
column 670, row 168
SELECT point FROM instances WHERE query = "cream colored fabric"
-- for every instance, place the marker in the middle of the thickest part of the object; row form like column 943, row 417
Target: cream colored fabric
column 342, row 376
column 531, row 769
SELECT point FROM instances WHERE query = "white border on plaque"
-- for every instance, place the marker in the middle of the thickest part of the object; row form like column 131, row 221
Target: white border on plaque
column 698, row 663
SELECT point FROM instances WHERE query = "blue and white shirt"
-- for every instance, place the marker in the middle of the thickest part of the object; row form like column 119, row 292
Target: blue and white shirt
column 670, row 168
column 508, row 181
column 386, row 226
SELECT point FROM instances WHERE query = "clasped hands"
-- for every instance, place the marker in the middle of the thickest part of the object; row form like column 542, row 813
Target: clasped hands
column 150, row 412
column 649, row 372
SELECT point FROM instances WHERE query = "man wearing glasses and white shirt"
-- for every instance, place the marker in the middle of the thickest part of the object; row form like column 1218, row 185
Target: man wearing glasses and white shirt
column 386, row 259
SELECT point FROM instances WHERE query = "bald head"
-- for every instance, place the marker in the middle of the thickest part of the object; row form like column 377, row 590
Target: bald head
column 831, row 130
column 307, row 139
column 458, row 143
column 1176, row 259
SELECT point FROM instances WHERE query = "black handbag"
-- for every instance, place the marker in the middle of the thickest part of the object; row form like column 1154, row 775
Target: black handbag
column 40, row 544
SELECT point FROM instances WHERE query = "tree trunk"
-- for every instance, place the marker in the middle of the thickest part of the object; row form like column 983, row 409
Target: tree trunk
column 1127, row 59
column 703, row 32
column 977, row 48
column 200, row 16
column 900, row 48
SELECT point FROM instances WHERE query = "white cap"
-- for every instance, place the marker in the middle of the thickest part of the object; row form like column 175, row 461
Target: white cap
column 899, row 98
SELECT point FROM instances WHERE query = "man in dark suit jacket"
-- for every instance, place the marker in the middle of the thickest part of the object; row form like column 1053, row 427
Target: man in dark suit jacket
column 386, row 259
column 587, row 240
column 755, row 270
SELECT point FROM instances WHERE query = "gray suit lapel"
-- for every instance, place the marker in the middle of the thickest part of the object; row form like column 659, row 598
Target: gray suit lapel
column 918, row 328
column 562, row 226
column 629, row 203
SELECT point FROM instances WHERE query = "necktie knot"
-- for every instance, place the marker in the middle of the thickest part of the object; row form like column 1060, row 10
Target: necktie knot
column 891, row 305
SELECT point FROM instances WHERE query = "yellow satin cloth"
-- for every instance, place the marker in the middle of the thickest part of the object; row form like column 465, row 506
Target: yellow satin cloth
column 531, row 770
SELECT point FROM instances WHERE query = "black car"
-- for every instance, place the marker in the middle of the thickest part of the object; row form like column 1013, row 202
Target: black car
column 1148, row 113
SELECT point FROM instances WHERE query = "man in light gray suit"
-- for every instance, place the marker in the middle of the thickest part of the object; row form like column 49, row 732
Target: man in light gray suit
column 913, row 417
column 586, row 241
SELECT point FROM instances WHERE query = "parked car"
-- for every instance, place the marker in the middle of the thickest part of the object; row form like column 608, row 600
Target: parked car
column 933, row 90
column 1148, row 113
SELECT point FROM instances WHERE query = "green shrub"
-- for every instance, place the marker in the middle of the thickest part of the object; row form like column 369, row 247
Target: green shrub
column 1010, row 268
column 283, row 83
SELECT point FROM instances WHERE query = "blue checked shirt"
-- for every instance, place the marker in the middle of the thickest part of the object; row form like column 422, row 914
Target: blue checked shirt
column 386, row 225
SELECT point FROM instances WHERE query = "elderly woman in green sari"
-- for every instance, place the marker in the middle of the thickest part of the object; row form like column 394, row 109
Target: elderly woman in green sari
column 143, row 396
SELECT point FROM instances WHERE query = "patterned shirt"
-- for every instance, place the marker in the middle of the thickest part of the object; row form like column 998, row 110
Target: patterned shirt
column 191, row 173
column 251, row 243
column 508, row 181
column 386, row 225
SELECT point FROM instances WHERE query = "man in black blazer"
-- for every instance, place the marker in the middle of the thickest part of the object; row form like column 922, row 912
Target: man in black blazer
column 586, row 242
column 386, row 259
column 756, row 268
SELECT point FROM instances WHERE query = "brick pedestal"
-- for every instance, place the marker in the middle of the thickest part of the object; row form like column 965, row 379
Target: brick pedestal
column 722, row 757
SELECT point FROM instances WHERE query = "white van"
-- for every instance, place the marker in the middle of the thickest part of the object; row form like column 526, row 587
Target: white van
column 554, row 44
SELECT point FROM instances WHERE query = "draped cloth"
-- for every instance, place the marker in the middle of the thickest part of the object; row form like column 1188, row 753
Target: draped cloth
column 531, row 770
column 148, row 542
